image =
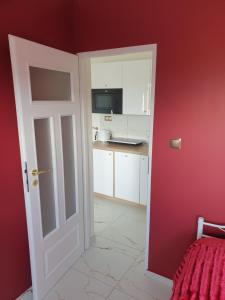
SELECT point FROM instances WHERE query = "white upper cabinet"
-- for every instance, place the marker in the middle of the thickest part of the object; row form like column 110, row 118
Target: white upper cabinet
column 106, row 75
column 137, row 87
column 134, row 77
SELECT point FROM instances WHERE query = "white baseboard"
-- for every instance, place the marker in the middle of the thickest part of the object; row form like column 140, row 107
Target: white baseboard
column 28, row 295
column 166, row 281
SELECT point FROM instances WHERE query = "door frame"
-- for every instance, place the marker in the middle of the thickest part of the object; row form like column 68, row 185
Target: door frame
column 85, row 97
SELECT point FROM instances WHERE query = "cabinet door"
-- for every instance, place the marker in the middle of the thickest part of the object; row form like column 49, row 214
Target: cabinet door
column 106, row 75
column 144, row 180
column 136, row 87
column 127, row 168
column 103, row 172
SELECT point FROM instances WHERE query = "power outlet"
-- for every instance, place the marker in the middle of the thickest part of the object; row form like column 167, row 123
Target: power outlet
column 108, row 118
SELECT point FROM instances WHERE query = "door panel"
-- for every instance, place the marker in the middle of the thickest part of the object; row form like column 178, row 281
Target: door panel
column 49, row 85
column 67, row 126
column 48, row 109
column 61, row 251
column 44, row 150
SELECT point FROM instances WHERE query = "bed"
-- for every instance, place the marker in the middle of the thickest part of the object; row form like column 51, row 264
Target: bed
column 201, row 275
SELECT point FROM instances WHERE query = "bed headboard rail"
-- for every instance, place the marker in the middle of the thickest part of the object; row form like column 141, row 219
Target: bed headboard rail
column 202, row 223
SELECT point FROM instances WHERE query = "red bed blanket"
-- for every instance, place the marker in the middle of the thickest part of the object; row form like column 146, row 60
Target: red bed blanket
column 201, row 275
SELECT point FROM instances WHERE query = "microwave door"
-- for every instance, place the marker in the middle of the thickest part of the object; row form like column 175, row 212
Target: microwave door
column 117, row 105
column 106, row 101
column 103, row 103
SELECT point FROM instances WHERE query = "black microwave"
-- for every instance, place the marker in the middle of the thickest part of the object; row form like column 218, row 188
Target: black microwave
column 107, row 101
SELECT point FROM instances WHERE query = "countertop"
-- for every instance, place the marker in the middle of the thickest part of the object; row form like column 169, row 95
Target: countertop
column 140, row 149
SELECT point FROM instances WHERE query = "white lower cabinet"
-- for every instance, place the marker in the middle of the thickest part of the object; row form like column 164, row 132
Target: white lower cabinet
column 124, row 176
column 103, row 172
column 144, row 180
column 127, row 168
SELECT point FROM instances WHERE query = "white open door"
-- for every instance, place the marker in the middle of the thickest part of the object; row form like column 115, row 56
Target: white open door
column 48, row 110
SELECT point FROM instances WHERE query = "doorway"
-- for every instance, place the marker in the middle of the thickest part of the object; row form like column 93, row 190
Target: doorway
column 104, row 213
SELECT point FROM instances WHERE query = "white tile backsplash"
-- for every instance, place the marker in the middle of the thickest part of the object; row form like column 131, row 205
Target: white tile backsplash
column 126, row 126
column 95, row 120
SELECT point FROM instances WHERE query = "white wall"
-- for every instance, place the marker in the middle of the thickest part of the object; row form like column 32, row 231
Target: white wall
column 136, row 127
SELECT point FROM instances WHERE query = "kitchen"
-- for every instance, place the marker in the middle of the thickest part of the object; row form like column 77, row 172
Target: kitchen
column 121, row 128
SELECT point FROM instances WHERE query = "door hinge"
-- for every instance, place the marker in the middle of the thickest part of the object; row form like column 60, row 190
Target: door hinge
column 26, row 176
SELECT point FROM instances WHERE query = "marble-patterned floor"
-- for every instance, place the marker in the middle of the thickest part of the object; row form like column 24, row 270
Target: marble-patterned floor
column 113, row 267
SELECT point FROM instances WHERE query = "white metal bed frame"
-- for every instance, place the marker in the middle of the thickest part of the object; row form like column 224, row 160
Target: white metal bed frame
column 202, row 223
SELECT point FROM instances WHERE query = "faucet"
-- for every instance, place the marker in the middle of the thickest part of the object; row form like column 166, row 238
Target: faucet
column 96, row 132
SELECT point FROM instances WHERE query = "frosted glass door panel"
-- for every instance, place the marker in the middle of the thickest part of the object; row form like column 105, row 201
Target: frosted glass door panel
column 69, row 164
column 46, row 180
column 49, row 85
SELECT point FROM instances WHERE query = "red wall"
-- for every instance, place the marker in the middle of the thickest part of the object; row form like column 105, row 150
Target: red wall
column 48, row 22
column 190, row 103
column 101, row 24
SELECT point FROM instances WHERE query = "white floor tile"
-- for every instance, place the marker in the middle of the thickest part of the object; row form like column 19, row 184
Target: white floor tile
column 105, row 213
column 77, row 285
column 107, row 261
column 138, row 214
column 108, row 212
column 118, row 295
column 120, row 222
column 52, row 295
column 100, row 227
column 127, row 231
column 136, row 284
